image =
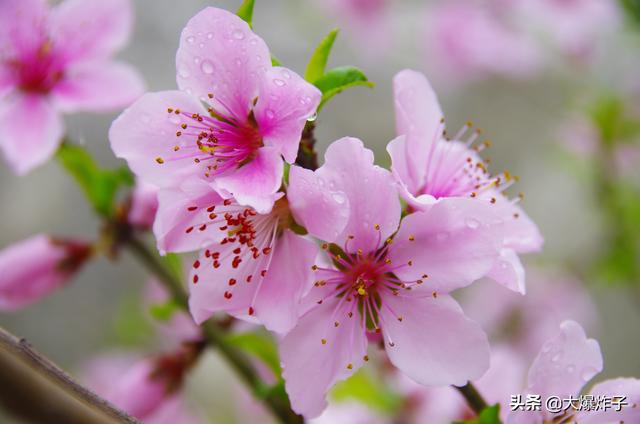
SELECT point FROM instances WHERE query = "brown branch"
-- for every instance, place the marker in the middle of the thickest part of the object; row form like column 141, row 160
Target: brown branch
column 37, row 390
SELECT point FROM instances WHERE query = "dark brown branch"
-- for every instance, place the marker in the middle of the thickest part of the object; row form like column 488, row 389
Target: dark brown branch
column 35, row 389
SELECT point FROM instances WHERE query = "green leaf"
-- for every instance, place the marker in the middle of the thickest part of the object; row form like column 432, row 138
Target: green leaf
column 174, row 262
column 632, row 8
column 164, row 311
column 338, row 79
column 245, row 12
column 275, row 61
column 489, row 415
column 318, row 62
column 365, row 388
column 131, row 326
column 260, row 345
column 99, row 185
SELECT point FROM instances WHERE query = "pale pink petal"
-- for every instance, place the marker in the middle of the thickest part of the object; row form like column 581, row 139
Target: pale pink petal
column 173, row 411
column 288, row 278
column 565, row 363
column 285, row 102
column 22, row 25
column 136, row 392
column 310, row 367
column 7, row 80
column 418, row 116
column 323, row 212
column 98, row 87
column 30, row 131
column 145, row 133
column 434, row 344
column 401, row 170
column 454, row 243
column 90, row 29
column 629, row 413
column 220, row 55
column 180, row 327
column 520, row 232
column 182, row 212
column 349, row 174
column 256, row 183
column 508, row 271
column 144, row 205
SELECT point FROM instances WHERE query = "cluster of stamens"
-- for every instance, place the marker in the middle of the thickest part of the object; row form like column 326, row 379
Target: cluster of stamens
column 219, row 141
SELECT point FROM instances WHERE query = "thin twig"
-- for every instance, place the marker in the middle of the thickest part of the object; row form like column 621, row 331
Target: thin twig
column 215, row 335
column 474, row 399
column 34, row 388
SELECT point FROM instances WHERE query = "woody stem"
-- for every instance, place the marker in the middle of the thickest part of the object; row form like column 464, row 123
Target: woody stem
column 474, row 399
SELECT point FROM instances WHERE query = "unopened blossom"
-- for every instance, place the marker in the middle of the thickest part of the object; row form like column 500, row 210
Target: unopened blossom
column 563, row 366
column 144, row 205
column 251, row 265
column 473, row 39
column 231, row 123
column 429, row 167
column 34, row 268
column 56, row 60
column 148, row 389
column 382, row 276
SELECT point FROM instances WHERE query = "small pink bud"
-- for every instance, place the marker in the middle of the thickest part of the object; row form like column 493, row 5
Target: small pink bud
column 144, row 204
column 35, row 267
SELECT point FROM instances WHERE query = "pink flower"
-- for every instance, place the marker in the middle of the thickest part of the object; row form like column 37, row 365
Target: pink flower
column 469, row 40
column 180, row 327
column 58, row 60
column 572, row 26
column 144, row 205
column 35, row 267
column 564, row 365
column 251, row 265
column 429, row 167
column 255, row 114
column 383, row 276
column 138, row 387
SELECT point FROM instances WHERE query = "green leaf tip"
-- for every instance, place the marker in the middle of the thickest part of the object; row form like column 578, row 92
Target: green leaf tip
column 489, row 415
column 318, row 62
column 245, row 12
column 336, row 80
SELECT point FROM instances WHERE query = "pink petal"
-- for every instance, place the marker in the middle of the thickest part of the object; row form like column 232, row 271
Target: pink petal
column 311, row 368
column 145, row 132
column 144, row 205
column 22, row 25
column 348, row 168
column 508, row 271
column 627, row 387
column 435, row 343
column 401, row 166
column 285, row 102
column 255, row 184
column 288, row 278
column 454, row 243
column 90, row 29
column 418, row 116
column 219, row 54
column 521, row 233
column 99, row 87
column 181, row 213
column 565, row 363
column 324, row 213
column 30, row 131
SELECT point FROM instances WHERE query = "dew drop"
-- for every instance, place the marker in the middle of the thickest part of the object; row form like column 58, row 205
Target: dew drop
column 338, row 198
column 556, row 357
column 472, row 223
column 207, row 67
column 196, row 60
column 270, row 113
column 210, row 35
column 191, row 39
column 238, row 34
column 183, row 71
column 312, row 117
column 279, row 82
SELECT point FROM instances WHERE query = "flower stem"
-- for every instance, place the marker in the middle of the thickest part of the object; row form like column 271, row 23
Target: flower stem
column 474, row 399
column 214, row 335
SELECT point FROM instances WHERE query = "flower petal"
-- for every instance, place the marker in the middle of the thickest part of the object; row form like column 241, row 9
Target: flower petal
column 219, row 54
column 183, row 222
column 565, row 363
column 508, row 271
column 285, row 102
column 310, row 367
column 627, row 387
column 89, row 30
column 99, row 87
column 30, row 131
column 418, row 116
column 322, row 212
column 145, row 132
column 435, row 343
column 454, row 243
column 256, row 183
column 22, row 26
column 287, row 279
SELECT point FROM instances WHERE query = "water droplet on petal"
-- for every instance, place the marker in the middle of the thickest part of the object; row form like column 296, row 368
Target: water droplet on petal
column 279, row 82
column 588, row 373
column 183, row 71
column 338, row 198
column 571, row 369
column 270, row 113
column 472, row 223
column 207, row 67
column 556, row 357
column 191, row 39
column 238, row 34
column 210, row 35
column 312, row 117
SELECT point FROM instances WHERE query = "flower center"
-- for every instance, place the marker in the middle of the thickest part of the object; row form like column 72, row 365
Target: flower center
column 220, row 142
column 37, row 71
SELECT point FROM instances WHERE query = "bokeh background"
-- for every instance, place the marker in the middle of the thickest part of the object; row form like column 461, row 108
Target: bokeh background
column 101, row 309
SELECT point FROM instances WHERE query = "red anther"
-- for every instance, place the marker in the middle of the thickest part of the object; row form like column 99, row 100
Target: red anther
column 263, row 272
column 237, row 250
column 195, row 279
column 250, row 310
column 232, row 281
column 236, row 262
column 249, row 278
column 203, row 227
column 266, row 250
column 216, row 264
column 196, row 264
column 188, row 230
column 228, row 295
column 211, row 208
column 227, row 202
column 192, row 208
